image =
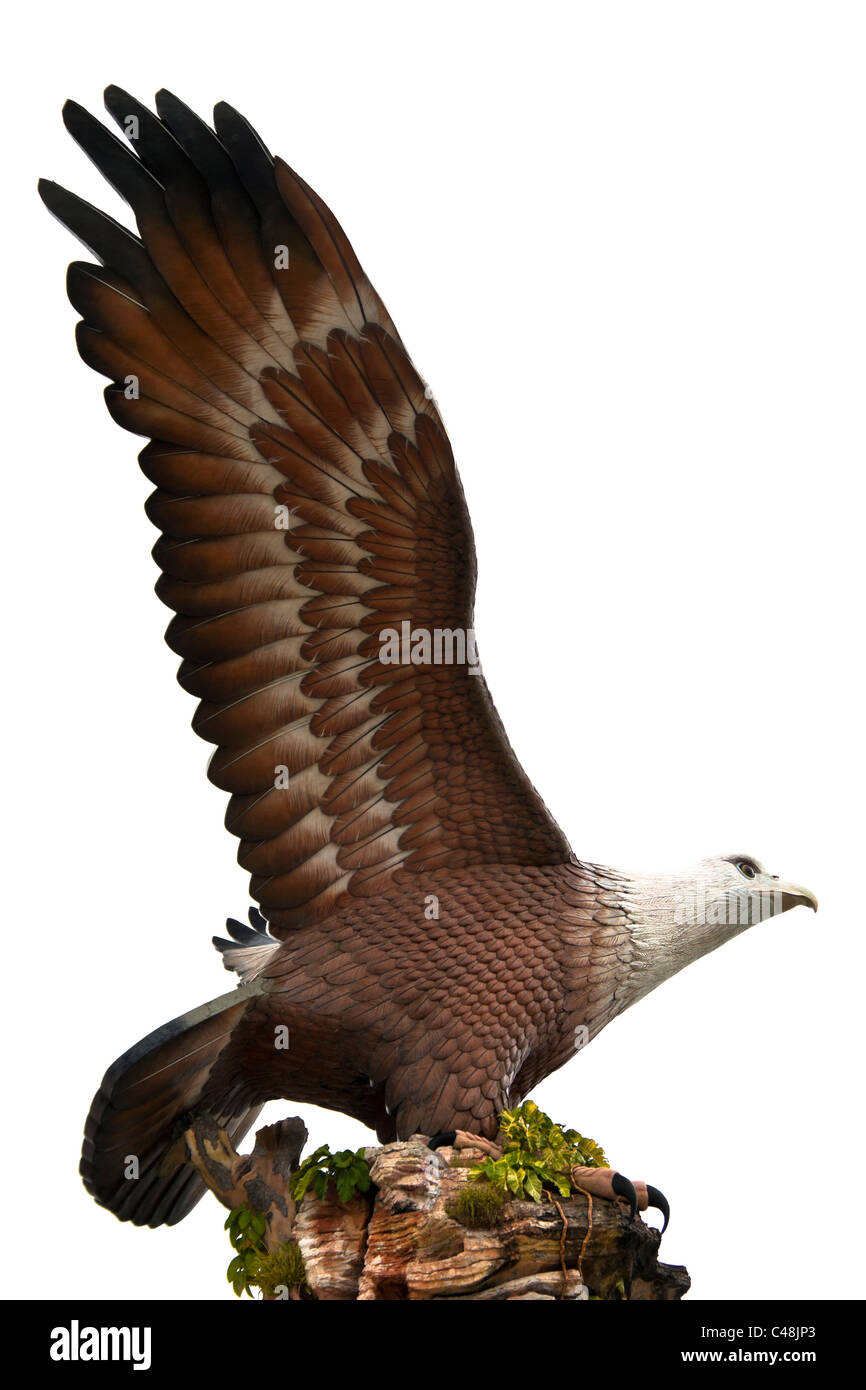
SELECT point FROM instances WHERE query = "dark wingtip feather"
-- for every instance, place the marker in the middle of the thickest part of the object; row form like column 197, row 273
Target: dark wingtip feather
column 75, row 116
column 63, row 205
column 102, row 235
column 235, row 129
column 120, row 104
column 195, row 137
column 170, row 107
column 53, row 195
column 115, row 160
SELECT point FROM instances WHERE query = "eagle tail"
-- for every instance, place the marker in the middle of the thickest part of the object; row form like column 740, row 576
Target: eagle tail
column 129, row 1161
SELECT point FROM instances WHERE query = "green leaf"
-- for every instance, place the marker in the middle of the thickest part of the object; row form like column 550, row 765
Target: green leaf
column 533, row 1187
column 303, row 1183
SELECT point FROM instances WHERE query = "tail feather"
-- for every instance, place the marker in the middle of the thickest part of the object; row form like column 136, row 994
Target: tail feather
column 141, row 1108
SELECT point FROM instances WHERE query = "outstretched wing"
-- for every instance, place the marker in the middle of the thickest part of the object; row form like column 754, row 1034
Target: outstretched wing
column 308, row 502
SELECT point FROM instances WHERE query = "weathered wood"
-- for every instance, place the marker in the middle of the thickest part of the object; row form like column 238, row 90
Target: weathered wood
column 259, row 1179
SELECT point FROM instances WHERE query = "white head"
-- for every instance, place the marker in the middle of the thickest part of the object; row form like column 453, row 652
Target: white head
column 676, row 918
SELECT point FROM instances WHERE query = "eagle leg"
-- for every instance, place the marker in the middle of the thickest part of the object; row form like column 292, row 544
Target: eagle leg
column 607, row 1182
column 599, row 1182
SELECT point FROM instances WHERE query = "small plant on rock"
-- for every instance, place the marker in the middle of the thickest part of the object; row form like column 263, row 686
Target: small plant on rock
column 246, row 1230
column 537, row 1153
column 253, row 1265
column 348, row 1170
column 478, row 1205
column 281, row 1271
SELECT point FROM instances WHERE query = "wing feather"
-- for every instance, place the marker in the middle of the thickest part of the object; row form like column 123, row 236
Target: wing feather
column 307, row 499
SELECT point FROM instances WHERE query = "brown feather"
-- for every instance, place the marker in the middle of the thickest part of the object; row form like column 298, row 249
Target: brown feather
column 307, row 499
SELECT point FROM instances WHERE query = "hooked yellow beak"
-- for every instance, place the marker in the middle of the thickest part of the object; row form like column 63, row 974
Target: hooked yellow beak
column 790, row 895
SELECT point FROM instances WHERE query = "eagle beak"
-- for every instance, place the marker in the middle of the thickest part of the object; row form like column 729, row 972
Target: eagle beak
column 792, row 895
column 795, row 896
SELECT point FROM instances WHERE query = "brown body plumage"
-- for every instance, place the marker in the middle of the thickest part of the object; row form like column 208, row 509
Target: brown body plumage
column 436, row 945
column 409, row 1024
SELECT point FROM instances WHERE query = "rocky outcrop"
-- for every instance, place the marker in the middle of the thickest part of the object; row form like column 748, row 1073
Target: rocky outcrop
column 426, row 1230
column 408, row 1240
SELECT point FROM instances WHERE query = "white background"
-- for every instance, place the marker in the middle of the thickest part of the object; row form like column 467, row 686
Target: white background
column 625, row 245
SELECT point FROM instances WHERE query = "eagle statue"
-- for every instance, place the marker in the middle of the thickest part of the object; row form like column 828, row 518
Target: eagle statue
column 427, row 941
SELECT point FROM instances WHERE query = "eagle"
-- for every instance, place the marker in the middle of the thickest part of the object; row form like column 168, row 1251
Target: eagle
column 426, row 947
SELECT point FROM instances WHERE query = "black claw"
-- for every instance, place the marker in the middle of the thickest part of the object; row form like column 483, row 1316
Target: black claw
column 624, row 1188
column 660, row 1202
column 443, row 1140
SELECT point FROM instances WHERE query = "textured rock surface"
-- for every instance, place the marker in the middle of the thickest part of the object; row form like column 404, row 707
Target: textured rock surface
column 333, row 1236
column 400, row 1242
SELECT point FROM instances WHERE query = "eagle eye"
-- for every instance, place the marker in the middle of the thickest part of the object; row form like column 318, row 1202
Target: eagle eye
column 746, row 869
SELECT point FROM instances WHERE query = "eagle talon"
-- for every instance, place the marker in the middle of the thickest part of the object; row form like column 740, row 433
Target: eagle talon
column 622, row 1187
column 607, row 1182
column 657, row 1200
